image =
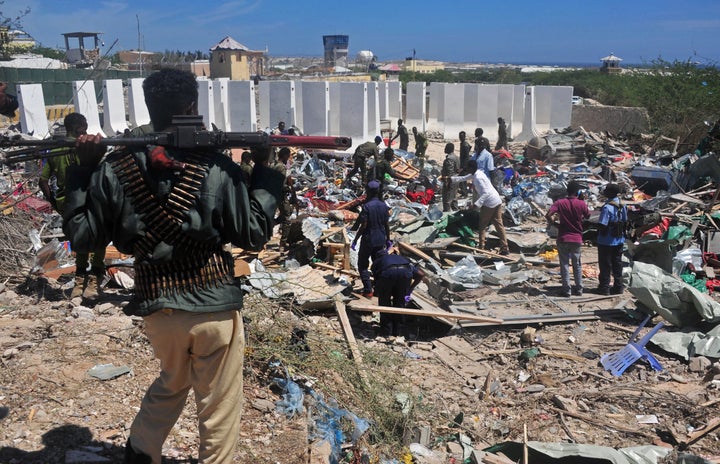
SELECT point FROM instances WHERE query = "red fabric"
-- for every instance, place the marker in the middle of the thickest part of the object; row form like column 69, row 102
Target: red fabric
column 424, row 198
column 659, row 229
column 712, row 285
column 503, row 154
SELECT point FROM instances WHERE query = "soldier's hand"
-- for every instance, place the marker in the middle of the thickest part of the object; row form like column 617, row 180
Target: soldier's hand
column 89, row 150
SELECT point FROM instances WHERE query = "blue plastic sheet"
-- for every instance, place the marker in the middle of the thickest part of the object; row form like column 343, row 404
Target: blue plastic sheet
column 326, row 417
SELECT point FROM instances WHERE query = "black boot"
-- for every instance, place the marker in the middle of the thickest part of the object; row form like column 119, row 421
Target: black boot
column 133, row 457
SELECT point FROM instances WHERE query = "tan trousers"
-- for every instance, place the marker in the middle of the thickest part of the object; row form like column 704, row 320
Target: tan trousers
column 492, row 216
column 202, row 351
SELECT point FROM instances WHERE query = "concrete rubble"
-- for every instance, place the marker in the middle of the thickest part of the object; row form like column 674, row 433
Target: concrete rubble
column 507, row 391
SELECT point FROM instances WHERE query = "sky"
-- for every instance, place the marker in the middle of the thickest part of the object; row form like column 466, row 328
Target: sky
column 471, row 31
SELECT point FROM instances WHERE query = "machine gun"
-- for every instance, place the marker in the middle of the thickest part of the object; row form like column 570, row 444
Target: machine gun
column 187, row 133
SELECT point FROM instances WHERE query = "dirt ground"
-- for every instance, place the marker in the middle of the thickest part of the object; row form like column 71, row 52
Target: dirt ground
column 484, row 383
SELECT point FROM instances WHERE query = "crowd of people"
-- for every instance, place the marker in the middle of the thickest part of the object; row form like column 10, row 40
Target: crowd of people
column 174, row 210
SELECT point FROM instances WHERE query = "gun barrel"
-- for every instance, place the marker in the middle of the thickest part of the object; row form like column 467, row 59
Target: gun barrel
column 311, row 141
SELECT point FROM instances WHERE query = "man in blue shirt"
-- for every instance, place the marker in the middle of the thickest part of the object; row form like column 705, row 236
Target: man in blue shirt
column 611, row 239
column 485, row 162
column 374, row 231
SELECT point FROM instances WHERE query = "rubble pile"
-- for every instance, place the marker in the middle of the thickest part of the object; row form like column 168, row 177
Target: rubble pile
column 493, row 364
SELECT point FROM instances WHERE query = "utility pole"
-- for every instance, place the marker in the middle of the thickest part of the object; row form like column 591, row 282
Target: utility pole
column 140, row 56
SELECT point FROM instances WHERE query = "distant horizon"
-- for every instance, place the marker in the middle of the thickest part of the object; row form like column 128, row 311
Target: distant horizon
column 463, row 31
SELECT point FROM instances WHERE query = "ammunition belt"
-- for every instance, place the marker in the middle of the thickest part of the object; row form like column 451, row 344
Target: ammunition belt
column 201, row 266
column 189, row 274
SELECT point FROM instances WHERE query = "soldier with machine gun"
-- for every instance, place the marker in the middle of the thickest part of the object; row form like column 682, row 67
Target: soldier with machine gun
column 173, row 200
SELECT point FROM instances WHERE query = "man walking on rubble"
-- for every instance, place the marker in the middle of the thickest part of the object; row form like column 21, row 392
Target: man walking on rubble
column 488, row 202
column 610, row 241
column 87, row 284
column 502, row 135
column 570, row 212
column 395, row 278
column 375, row 233
column 421, row 145
column 450, row 167
column 175, row 210
column 363, row 153
column 402, row 132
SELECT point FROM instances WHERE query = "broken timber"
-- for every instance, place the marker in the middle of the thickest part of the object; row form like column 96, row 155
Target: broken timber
column 418, row 312
column 350, row 337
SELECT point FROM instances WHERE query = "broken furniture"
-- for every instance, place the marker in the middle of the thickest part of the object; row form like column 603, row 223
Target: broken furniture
column 618, row 362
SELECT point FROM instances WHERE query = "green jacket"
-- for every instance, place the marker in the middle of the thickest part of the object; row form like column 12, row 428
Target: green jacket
column 97, row 211
column 58, row 165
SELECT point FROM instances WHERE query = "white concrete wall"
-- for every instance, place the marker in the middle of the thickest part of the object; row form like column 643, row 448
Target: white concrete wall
column 515, row 127
column 383, row 100
column 353, row 111
column 221, row 102
column 137, row 110
column 506, row 102
column 553, row 107
column 85, row 103
column 277, row 103
column 315, row 108
column 436, row 107
column 561, row 107
column 114, row 116
column 334, row 114
column 454, row 110
column 242, row 113
column 299, row 121
column 415, row 107
column 487, row 109
column 470, row 113
column 31, row 106
column 206, row 101
column 373, row 102
column 395, row 106
column 528, row 128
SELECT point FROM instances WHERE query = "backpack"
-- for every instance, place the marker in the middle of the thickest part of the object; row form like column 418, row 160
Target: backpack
column 621, row 227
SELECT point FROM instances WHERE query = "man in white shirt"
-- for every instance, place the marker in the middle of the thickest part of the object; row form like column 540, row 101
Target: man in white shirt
column 489, row 203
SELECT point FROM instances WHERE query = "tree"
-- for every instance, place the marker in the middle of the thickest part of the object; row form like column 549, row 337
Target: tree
column 6, row 24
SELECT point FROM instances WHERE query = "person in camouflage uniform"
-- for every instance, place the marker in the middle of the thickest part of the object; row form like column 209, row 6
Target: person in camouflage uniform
column 421, row 145
column 363, row 152
column 402, row 132
column 383, row 170
column 451, row 167
column 465, row 150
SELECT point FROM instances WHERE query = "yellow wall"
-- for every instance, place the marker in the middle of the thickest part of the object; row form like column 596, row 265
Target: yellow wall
column 234, row 65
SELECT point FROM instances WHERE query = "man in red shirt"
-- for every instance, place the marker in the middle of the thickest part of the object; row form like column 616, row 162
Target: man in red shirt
column 570, row 213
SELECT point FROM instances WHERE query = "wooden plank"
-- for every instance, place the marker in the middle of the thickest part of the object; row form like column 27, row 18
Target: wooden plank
column 697, row 435
column 346, row 250
column 349, row 272
column 485, row 252
column 594, row 420
column 418, row 312
column 350, row 337
column 545, row 318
